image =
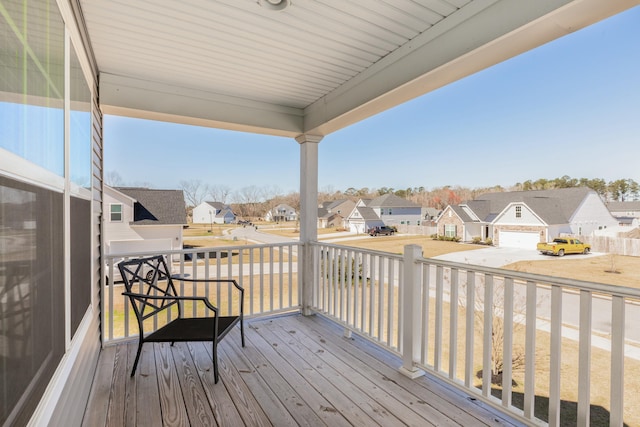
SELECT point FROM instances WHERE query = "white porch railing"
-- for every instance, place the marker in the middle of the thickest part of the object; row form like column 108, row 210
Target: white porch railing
column 268, row 273
column 561, row 351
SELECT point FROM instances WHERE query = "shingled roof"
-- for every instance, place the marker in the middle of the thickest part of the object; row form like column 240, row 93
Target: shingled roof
column 391, row 201
column 157, row 207
column 553, row 206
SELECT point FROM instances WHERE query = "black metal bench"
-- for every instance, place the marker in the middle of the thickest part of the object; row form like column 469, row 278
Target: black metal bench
column 149, row 286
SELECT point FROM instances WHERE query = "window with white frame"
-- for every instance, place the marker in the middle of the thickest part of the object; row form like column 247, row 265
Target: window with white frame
column 518, row 211
column 450, row 230
column 115, row 212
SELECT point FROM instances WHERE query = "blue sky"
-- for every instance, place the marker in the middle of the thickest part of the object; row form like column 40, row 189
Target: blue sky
column 571, row 107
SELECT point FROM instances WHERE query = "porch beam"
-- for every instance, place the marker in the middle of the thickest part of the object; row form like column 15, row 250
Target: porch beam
column 447, row 53
column 141, row 99
column 308, row 214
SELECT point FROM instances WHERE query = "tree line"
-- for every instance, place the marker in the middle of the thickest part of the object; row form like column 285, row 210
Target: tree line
column 254, row 201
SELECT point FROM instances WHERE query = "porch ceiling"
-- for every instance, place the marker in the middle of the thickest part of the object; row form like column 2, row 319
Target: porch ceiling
column 314, row 67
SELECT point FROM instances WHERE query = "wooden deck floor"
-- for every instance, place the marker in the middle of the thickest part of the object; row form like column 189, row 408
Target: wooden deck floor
column 294, row 370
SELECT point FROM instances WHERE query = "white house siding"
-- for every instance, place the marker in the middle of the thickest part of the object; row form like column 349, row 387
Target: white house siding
column 518, row 231
column 171, row 233
column 592, row 215
column 201, row 214
column 472, row 230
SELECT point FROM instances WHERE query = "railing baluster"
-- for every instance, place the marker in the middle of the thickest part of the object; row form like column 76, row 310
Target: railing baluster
column 426, row 298
column 507, row 345
column 229, row 276
column 469, row 329
column 584, row 360
column 617, row 360
column 530, row 350
column 372, row 284
column 390, row 300
column 487, row 335
column 271, row 264
column 251, row 290
column 380, row 297
column 218, row 274
column 261, row 256
column 111, row 305
column 453, row 323
column 349, row 284
column 365, row 284
column 281, row 277
column 401, row 289
column 437, row 345
column 555, row 353
column 356, row 284
column 341, row 281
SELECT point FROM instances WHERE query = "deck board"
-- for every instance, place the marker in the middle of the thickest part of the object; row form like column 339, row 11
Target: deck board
column 294, row 371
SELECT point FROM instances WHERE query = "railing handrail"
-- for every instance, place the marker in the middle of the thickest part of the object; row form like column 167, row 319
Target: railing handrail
column 398, row 257
column 114, row 255
column 575, row 284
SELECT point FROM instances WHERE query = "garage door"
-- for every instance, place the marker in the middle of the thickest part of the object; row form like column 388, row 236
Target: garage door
column 519, row 239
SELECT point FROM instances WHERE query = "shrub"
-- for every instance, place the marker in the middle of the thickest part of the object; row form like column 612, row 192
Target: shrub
column 488, row 241
column 477, row 240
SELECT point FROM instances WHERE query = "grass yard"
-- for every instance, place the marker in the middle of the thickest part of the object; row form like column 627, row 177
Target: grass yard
column 395, row 245
column 590, row 268
column 205, row 230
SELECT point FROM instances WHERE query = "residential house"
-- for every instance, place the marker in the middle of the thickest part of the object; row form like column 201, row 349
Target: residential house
column 64, row 68
column 142, row 219
column 430, row 214
column 524, row 218
column 334, row 213
column 627, row 213
column 213, row 213
column 281, row 213
column 387, row 209
column 362, row 218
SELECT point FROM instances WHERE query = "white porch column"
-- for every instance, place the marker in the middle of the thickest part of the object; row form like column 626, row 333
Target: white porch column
column 411, row 339
column 308, row 214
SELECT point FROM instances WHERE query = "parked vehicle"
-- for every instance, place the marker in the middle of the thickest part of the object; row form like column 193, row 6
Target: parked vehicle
column 382, row 231
column 564, row 245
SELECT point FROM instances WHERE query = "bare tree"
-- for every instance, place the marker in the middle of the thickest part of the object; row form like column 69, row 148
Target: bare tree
column 249, row 201
column 496, row 311
column 113, row 179
column 194, row 191
column 220, row 193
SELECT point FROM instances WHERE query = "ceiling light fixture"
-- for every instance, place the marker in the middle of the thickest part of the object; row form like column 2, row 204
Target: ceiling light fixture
column 274, row 4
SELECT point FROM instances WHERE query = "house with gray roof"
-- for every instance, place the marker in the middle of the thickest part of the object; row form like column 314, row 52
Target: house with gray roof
column 212, row 213
column 143, row 219
column 334, row 213
column 627, row 213
column 523, row 218
column 387, row 209
column 362, row 218
column 395, row 210
column 282, row 213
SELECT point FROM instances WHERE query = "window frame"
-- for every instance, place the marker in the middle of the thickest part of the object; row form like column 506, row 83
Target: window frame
column 111, row 212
